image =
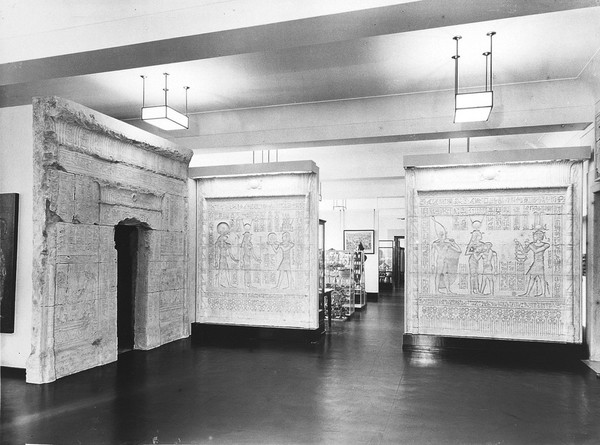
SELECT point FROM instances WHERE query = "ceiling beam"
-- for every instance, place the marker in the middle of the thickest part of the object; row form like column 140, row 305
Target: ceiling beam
column 426, row 14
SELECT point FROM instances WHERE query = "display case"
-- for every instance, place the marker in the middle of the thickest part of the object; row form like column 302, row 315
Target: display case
column 359, row 296
column 339, row 266
column 321, row 275
column 386, row 251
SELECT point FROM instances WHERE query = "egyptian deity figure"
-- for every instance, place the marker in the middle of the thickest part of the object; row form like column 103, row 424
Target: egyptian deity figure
column 473, row 251
column 223, row 248
column 536, row 275
column 446, row 254
column 247, row 249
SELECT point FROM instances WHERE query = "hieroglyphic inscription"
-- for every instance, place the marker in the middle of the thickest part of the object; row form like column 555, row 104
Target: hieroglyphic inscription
column 103, row 146
column 173, row 212
column 258, row 256
column 130, row 198
column 76, row 239
column 76, row 282
column 495, row 262
column 109, row 214
column 166, row 275
column 172, row 243
column 85, row 165
column 87, row 196
column 257, row 243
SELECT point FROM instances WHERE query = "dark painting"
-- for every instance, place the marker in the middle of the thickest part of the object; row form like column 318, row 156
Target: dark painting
column 9, row 212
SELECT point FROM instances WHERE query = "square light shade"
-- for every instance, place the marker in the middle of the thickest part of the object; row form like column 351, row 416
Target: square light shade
column 165, row 117
column 473, row 107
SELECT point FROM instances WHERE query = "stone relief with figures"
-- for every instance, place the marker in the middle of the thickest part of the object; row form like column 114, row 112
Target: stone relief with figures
column 495, row 262
column 257, row 244
column 257, row 247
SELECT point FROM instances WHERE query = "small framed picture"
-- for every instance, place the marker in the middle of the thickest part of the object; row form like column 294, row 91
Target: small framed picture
column 352, row 238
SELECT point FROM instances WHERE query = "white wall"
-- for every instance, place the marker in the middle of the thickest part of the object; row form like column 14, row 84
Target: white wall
column 16, row 176
column 352, row 219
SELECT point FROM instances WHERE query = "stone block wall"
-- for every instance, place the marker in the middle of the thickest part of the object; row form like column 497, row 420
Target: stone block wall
column 92, row 172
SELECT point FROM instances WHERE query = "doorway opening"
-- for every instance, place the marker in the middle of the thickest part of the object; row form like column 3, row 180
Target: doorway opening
column 126, row 243
column 399, row 261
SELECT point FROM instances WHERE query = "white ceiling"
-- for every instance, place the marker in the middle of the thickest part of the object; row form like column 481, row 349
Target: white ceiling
column 527, row 49
column 388, row 51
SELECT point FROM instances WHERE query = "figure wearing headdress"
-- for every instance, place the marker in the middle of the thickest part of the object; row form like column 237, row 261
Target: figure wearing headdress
column 285, row 265
column 489, row 259
column 247, row 249
column 473, row 252
column 223, row 247
column 446, row 254
column 536, row 283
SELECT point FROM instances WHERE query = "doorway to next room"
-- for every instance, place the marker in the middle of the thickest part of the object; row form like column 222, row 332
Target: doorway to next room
column 126, row 243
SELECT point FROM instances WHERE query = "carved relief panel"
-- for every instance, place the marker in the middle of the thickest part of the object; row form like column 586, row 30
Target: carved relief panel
column 501, row 262
column 257, row 258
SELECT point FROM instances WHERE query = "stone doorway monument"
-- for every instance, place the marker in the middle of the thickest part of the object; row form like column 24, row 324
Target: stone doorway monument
column 92, row 173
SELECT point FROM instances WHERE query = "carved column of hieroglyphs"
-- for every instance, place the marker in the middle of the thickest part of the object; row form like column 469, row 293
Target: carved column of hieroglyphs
column 92, row 173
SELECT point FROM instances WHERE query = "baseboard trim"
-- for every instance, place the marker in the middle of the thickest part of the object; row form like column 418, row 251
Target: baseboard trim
column 9, row 371
column 372, row 297
column 513, row 348
column 204, row 333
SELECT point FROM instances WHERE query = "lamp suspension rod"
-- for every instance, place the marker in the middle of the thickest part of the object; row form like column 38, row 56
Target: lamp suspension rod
column 486, row 54
column 186, row 99
column 143, row 90
column 165, row 89
column 491, row 34
column 455, row 57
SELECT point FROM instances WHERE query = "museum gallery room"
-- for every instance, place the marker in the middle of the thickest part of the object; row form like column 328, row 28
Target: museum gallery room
column 300, row 222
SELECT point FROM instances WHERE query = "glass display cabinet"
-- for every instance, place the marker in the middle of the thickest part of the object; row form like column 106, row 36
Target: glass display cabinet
column 359, row 296
column 339, row 266
column 386, row 252
column 322, row 292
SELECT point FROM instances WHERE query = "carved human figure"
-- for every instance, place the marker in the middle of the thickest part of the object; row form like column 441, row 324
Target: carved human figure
column 247, row 249
column 285, row 265
column 223, row 248
column 446, row 253
column 489, row 259
column 536, row 281
column 472, row 251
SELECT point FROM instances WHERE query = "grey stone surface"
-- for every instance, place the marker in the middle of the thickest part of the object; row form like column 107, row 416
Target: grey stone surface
column 92, row 172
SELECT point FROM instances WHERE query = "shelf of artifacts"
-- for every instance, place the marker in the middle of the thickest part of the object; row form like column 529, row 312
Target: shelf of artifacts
column 359, row 296
column 339, row 266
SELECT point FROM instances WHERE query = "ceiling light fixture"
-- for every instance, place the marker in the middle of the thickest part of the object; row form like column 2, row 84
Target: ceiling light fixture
column 474, row 107
column 163, row 116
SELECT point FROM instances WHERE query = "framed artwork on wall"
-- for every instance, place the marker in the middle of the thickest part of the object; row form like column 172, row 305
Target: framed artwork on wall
column 352, row 238
column 9, row 212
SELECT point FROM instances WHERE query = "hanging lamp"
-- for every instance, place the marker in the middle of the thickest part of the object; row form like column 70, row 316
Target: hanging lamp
column 474, row 107
column 163, row 116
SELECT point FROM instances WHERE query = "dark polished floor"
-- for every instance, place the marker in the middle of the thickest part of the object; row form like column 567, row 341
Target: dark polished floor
column 356, row 386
